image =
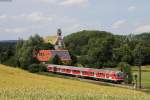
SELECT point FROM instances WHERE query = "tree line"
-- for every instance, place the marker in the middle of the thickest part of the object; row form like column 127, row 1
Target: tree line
column 94, row 49
column 100, row 48
column 23, row 53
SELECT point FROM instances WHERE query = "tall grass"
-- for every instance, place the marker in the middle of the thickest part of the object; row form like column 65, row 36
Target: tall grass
column 16, row 84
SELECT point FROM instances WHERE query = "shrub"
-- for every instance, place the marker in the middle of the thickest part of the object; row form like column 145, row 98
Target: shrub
column 126, row 69
column 37, row 68
column 11, row 62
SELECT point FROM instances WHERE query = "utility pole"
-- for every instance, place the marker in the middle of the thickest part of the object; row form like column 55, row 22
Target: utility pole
column 140, row 63
column 140, row 75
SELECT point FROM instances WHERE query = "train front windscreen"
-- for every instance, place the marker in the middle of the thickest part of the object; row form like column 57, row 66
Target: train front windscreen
column 120, row 74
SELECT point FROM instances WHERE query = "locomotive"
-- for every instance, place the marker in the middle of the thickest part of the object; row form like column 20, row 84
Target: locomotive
column 98, row 74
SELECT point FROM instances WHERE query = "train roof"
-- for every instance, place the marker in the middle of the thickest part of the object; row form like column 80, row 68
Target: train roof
column 84, row 69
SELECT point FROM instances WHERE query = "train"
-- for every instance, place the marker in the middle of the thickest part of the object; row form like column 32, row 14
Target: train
column 98, row 74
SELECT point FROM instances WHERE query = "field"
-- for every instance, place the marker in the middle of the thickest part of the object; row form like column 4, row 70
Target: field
column 145, row 75
column 16, row 84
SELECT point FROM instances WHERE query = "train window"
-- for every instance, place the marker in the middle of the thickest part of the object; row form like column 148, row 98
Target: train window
column 68, row 70
column 107, row 75
column 84, row 72
column 98, row 74
column 120, row 74
column 50, row 68
column 102, row 75
column 76, row 71
column 58, row 69
column 91, row 73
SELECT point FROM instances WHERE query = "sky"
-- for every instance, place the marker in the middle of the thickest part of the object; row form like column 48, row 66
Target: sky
column 23, row 18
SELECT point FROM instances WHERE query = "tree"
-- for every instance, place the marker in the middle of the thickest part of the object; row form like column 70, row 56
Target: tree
column 138, row 54
column 18, row 51
column 26, row 49
column 33, row 68
column 123, row 54
column 56, row 60
column 6, row 53
column 126, row 69
column 73, row 59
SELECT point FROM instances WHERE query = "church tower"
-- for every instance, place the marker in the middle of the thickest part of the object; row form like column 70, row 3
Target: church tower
column 59, row 32
column 60, row 43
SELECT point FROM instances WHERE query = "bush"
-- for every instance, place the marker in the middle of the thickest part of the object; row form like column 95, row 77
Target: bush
column 37, row 68
column 126, row 69
column 11, row 62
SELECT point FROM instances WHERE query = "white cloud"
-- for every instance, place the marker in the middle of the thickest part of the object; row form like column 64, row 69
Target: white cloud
column 46, row 1
column 2, row 17
column 13, row 30
column 38, row 16
column 143, row 28
column 64, row 2
column 132, row 8
column 33, row 17
column 118, row 24
column 74, row 2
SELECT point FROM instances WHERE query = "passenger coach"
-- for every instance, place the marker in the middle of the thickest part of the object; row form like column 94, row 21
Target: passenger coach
column 104, row 74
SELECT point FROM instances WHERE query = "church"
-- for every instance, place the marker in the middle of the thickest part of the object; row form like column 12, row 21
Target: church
column 56, row 41
column 60, row 50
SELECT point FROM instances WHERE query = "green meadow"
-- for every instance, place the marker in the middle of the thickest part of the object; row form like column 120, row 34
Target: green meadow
column 145, row 75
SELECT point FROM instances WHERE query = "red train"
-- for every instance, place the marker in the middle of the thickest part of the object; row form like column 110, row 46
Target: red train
column 103, row 74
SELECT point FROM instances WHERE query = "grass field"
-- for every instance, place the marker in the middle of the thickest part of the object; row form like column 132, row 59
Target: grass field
column 145, row 75
column 16, row 84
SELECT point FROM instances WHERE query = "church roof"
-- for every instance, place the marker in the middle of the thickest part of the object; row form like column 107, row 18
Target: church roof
column 51, row 39
column 45, row 55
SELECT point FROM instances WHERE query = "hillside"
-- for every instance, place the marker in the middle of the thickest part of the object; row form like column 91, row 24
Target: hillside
column 16, row 84
column 100, row 48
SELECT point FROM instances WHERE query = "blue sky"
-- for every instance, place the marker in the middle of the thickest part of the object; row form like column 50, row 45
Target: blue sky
column 22, row 18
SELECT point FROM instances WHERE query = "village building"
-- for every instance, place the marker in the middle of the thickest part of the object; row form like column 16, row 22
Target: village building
column 60, row 50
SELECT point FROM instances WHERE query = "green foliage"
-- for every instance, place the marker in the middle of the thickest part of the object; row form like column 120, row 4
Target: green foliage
column 7, row 50
column 95, row 48
column 37, row 68
column 91, row 46
column 23, row 53
column 126, row 69
column 73, row 59
column 141, row 54
column 56, row 60
column 26, row 51
column 11, row 62
column 123, row 54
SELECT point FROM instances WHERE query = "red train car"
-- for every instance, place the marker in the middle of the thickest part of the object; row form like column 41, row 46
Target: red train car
column 105, row 74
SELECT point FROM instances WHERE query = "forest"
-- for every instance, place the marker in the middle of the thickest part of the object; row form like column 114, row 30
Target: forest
column 100, row 48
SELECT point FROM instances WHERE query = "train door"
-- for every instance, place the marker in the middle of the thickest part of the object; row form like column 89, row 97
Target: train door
column 55, row 69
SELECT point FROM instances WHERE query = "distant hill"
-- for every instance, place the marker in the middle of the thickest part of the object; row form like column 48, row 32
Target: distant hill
column 101, row 47
column 80, row 40
column 17, row 84
column 8, row 41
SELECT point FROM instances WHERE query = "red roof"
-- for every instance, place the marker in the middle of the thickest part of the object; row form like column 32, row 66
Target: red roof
column 45, row 55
